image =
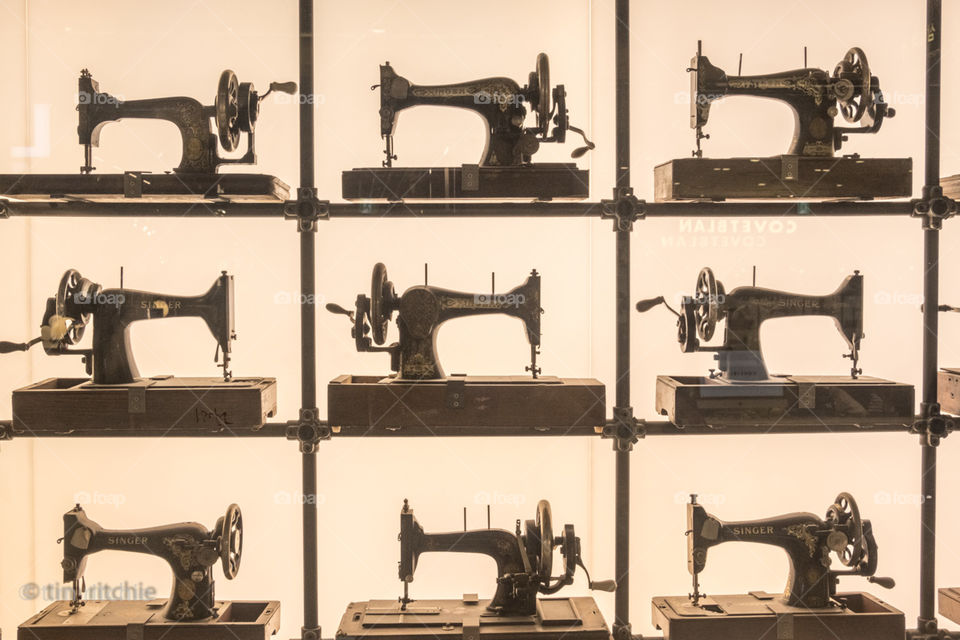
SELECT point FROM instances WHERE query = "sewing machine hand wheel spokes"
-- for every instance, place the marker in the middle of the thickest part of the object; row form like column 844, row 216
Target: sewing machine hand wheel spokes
column 544, row 529
column 706, row 304
column 73, row 289
column 540, row 83
column 855, row 68
column 844, row 514
column 230, row 540
column 383, row 302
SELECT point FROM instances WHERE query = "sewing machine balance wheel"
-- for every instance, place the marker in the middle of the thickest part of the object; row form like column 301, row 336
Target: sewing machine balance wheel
column 544, row 524
column 861, row 99
column 707, row 308
column 73, row 288
column 383, row 300
column 844, row 512
column 227, row 106
column 544, row 108
column 230, row 529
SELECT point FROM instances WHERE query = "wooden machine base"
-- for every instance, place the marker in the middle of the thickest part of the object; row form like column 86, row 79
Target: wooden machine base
column 783, row 177
column 556, row 619
column 105, row 187
column 161, row 404
column 762, row 616
column 785, row 400
column 560, row 405
column 948, row 390
column 141, row 620
column 949, row 604
column 539, row 181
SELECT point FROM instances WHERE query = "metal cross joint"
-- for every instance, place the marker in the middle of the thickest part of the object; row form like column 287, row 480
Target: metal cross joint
column 307, row 209
column 623, row 632
column 624, row 429
column 934, row 207
column 6, row 431
column 624, row 209
column 309, row 634
column 4, row 213
column 308, row 430
column 932, row 425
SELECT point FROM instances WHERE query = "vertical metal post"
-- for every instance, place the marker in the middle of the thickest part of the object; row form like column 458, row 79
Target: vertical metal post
column 931, row 255
column 621, row 626
column 308, row 333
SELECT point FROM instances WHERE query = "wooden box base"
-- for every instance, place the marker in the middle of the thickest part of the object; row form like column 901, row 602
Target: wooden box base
column 762, row 616
column 133, row 184
column 949, row 604
column 783, row 177
column 141, row 620
column 538, row 181
column 556, row 619
column 152, row 406
column 787, row 400
column 465, row 405
column 951, row 186
column 948, row 390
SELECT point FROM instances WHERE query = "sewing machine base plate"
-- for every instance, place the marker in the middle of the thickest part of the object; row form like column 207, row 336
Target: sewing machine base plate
column 105, row 187
column 141, row 619
column 783, row 177
column 762, row 616
column 151, row 406
column 373, row 404
column 556, row 619
column 949, row 604
column 539, row 181
column 691, row 401
column 948, row 390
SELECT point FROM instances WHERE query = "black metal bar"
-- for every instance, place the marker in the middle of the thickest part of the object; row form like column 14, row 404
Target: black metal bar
column 926, row 621
column 269, row 430
column 621, row 626
column 377, row 211
column 308, row 332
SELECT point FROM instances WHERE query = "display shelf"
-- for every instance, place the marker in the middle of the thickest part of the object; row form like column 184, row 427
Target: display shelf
column 141, row 208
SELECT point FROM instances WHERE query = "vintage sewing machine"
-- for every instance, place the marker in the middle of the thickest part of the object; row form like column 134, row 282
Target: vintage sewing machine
column 810, row 607
column 191, row 611
column 743, row 392
column 204, row 129
column 430, row 398
column 117, row 397
column 809, row 168
column 524, row 560
column 505, row 168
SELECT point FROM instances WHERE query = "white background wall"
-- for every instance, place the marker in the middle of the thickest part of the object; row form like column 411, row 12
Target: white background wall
column 178, row 48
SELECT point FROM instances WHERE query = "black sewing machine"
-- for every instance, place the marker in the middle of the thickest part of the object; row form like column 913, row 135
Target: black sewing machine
column 742, row 392
column 234, row 112
column 430, row 397
column 117, row 397
column 505, row 168
column 524, row 560
column 810, row 606
column 190, row 612
column 808, row 169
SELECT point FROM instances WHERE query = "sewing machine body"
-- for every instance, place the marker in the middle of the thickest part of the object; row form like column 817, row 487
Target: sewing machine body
column 117, row 398
column 431, row 398
column 554, row 619
column 742, row 393
column 808, row 169
column 505, row 168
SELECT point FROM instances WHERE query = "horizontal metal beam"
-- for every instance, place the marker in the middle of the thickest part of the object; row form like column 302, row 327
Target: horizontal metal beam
column 666, row 428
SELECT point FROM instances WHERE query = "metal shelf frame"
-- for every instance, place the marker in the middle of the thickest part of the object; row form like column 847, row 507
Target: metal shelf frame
column 624, row 209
